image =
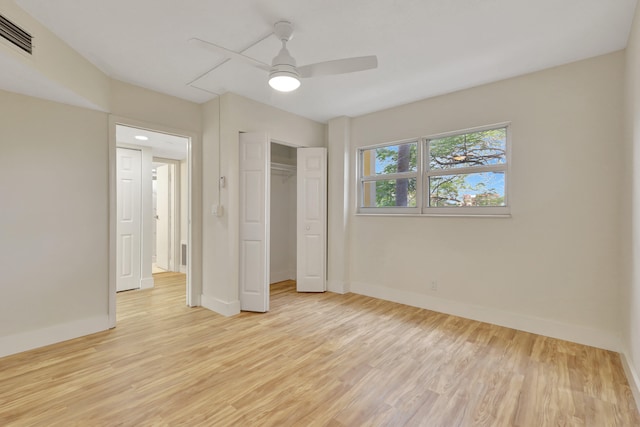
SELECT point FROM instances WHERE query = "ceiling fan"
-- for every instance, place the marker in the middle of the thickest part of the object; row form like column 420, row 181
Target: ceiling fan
column 284, row 74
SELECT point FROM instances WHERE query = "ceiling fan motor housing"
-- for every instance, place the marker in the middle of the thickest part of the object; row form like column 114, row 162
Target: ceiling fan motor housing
column 284, row 63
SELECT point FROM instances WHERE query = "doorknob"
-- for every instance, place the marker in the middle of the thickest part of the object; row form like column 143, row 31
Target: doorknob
column 308, row 227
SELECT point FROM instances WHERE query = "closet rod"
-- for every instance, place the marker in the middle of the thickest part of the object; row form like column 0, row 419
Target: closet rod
column 283, row 167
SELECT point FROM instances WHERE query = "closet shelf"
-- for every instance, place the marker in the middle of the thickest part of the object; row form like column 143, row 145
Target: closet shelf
column 283, row 167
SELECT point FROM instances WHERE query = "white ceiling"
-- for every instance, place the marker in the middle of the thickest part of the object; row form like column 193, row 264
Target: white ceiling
column 163, row 145
column 424, row 47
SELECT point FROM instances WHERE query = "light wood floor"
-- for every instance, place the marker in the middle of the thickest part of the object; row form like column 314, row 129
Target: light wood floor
column 314, row 359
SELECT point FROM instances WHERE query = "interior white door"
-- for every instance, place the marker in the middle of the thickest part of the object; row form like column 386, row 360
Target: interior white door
column 163, row 214
column 311, row 220
column 255, row 160
column 128, row 221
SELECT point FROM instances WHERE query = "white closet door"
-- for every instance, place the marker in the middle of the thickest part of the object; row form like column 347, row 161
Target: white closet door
column 129, row 221
column 255, row 160
column 312, row 220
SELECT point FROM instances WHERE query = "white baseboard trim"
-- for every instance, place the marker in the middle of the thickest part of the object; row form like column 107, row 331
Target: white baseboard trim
column 146, row 283
column 632, row 376
column 604, row 339
column 230, row 308
column 337, row 286
column 29, row 340
column 280, row 276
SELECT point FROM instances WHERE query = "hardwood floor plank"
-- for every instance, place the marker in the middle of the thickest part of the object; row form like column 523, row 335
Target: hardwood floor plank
column 313, row 360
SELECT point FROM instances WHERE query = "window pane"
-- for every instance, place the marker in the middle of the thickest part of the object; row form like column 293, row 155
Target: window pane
column 390, row 159
column 474, row 189
column 389, row 193
column 482, row 148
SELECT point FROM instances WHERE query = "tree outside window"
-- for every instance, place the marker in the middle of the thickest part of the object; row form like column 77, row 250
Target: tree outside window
column 464, row 171
column 467, row 169
column 390, row 175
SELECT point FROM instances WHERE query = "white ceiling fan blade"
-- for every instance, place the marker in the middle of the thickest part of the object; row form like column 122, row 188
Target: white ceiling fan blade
column 229, row 53
column 339, row 66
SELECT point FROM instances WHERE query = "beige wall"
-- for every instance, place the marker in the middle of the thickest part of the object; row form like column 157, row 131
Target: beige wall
column 631, row 217
column 340, row 193
column 553, row 267
column 54, row 229
column 134, row 102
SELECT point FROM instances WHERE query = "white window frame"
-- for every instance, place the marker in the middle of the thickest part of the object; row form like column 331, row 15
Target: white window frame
column 423, row 172
column 385, row 177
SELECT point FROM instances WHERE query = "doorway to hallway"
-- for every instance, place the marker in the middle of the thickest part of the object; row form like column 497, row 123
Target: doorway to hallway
column 156, row 235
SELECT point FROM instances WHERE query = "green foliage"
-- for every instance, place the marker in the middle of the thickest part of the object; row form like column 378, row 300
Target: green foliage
column 445, row 190
column 386, row 193
column 397, row 159
column 466, row 150
column 470, row 149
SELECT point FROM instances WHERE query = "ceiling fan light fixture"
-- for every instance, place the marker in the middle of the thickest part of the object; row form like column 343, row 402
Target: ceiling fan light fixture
column 284, row 76
column 283, row 81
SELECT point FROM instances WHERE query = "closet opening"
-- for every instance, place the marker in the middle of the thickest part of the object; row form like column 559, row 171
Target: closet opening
column 283, row 218
column 283, row 215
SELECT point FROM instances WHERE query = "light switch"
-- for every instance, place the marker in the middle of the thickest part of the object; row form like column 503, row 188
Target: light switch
column 217, row 210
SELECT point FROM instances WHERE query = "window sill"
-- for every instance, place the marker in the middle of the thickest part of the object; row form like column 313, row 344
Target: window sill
column 432, row 215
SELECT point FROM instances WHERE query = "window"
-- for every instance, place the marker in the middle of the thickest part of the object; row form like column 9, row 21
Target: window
column 467, row 170
column 451, row 174
column 389, row 177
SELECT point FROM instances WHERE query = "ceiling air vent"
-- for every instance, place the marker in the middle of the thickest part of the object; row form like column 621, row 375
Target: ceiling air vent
column 15, row 35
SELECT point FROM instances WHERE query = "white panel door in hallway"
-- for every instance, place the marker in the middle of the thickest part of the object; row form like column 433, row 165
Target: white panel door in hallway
column 255, row 159
column 312, row 220
column 128, row 221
